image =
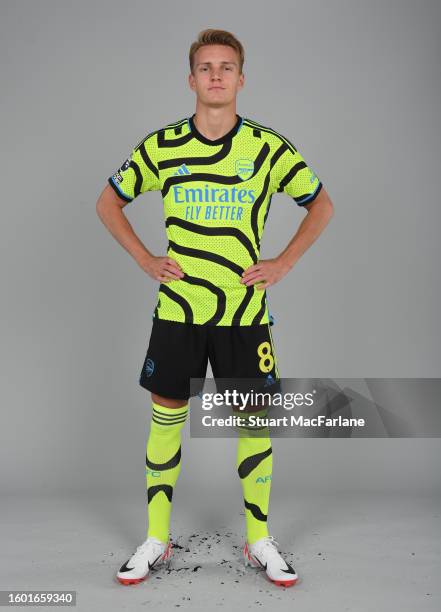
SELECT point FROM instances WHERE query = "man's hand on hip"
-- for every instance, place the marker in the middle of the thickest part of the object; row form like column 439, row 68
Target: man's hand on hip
column 163, row 269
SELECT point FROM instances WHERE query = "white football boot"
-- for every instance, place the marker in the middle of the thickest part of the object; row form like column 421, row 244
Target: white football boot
column 264, row 553
column 150, row 554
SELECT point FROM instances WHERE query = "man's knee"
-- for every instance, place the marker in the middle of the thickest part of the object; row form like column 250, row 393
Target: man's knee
column 168, row 402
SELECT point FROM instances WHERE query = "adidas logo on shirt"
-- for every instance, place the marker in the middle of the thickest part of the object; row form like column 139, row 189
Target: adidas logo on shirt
column 182, row 170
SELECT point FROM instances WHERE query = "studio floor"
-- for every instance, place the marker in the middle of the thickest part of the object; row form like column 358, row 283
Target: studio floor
column 358, row 552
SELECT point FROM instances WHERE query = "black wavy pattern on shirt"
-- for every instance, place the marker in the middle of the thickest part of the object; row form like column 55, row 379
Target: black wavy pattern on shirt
column 200, row 161
column 215, row 178
column 244, row 303
column 200, row 253
column 138, row 178
column 261, row 312
column 262, row 196
column 291, row 174
column 220, row 295
column 173, row 142
column 215, row 231
column 148, row 162
column 179, row 299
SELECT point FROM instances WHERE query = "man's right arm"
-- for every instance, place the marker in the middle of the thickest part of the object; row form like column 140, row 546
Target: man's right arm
column 109, row 208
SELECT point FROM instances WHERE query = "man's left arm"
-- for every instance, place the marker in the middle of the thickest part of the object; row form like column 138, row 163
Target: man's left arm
column 267, row 272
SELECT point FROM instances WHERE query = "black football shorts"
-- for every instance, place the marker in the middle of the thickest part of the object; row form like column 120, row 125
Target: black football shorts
column 178, row 352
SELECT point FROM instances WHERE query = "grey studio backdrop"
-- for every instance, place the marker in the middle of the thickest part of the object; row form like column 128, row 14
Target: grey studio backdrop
column 356, row 87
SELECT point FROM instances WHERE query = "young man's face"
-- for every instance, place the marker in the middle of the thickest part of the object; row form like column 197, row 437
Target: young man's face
column 216, row 79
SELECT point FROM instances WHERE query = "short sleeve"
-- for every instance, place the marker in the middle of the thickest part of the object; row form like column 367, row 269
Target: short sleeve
column 139, row 173
column 294, row 176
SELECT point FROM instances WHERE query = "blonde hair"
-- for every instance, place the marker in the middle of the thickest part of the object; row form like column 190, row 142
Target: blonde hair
column 217, row 37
